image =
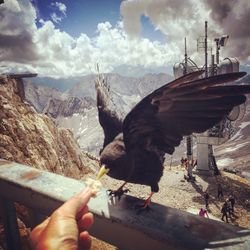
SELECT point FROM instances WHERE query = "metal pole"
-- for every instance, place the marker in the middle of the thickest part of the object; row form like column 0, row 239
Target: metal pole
column 206, row 72
column 212, row 66
column 189, row 155
column 189, row 138
column 217, row 50
column 10, row 225
column 185, row 68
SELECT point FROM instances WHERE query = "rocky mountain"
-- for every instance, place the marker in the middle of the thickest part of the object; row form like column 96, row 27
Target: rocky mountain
column 39, row 95
column 75, row 108
column 54, row 102
column 33, row 139
column 65, row 108
column 234, row 154
column 121, row 84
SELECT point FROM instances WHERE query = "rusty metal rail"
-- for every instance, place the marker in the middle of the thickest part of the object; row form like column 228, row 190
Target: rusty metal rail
column 115, row 222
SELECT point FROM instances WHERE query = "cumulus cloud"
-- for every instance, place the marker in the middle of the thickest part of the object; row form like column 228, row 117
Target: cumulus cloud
column 55, row 18
column 234, row 18
column 110, row 47
column 59, row 54
column 177, row 19
column 52, row 52
column 16, row 32
column 61, row 8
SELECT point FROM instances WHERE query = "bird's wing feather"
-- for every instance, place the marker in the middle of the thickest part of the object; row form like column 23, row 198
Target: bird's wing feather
column 180, row 108
column 109, row 118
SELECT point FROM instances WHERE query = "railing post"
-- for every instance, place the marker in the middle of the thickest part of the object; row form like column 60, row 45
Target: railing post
column 10, row 224
column 35, row 217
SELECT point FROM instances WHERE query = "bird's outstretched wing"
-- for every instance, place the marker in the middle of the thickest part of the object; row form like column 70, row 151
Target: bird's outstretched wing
column 180, row 108
column 109, row 118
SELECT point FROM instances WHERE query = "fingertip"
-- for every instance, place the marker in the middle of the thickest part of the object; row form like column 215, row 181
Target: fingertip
column 86, row 221
column 85, row 241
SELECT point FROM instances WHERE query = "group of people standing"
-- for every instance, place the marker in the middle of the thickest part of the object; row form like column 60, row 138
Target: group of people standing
column 184, row 163
column 227, row 208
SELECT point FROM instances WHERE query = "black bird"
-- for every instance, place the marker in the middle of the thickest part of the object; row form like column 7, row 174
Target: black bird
column 134, row 148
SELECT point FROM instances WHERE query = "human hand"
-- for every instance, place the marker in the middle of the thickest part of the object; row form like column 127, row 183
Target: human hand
column 66, row 228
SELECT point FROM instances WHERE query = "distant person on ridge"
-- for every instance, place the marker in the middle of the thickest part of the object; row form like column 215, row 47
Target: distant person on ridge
column 231, row 199
column 220, row 191
column 224, row 211
column 206, row 198
column 203, row 213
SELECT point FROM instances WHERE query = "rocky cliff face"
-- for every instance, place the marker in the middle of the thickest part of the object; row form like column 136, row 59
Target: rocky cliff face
column 39, row 95
column 33, row 139
column 65, row 108
column 55, row 103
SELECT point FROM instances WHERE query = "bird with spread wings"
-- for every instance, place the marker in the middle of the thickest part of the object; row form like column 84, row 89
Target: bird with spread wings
column 134, row 147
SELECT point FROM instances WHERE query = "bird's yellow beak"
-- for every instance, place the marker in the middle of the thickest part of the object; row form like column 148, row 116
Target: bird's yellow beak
column 103, row 170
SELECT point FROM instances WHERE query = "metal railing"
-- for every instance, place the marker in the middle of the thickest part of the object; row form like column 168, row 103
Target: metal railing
column 116, row 222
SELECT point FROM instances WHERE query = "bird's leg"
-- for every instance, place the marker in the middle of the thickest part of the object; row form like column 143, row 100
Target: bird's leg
column 148, row 200
column 119, row 192
column 145, row 206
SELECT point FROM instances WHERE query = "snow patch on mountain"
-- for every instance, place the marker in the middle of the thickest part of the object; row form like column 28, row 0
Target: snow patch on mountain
column 235, row 147
column 238, row 134
column 86, row 129
column 225, row 162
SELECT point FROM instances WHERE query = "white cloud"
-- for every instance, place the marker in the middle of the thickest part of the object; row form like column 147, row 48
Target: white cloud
column 234, row 18
column 59, row 54
column 110, row 47
column 177, row 19
column 16, row 31
column 62, row 7
column 58, row 17
column 52, row 52
column 55, row 18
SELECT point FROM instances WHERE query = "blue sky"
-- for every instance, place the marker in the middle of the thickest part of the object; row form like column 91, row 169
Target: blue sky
column 84, row 16
column 64, row 38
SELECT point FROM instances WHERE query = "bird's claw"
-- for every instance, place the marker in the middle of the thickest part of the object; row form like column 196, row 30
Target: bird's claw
column 117, row 193
column 142, row 208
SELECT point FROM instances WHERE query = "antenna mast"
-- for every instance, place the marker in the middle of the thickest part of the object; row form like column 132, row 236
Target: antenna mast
column 185, row 55
column 189, row 139
column 206, row 71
